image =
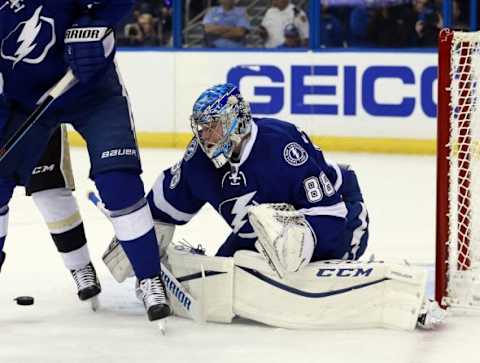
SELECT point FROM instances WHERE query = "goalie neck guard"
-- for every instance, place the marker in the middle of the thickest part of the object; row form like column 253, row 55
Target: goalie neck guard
column 220, row 119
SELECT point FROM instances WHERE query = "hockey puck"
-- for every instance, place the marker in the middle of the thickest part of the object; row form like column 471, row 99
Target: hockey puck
column 24, row 300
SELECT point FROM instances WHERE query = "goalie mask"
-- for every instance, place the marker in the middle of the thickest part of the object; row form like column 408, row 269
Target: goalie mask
column 220, row 119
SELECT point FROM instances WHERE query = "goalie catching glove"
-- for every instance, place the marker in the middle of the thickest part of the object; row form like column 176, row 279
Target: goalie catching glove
column 89, row 48
column 284, row 237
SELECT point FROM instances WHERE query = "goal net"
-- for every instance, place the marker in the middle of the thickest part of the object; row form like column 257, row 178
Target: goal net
column 458, row 171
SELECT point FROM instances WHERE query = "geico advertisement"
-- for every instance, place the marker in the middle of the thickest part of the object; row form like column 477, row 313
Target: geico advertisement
column 338, row 94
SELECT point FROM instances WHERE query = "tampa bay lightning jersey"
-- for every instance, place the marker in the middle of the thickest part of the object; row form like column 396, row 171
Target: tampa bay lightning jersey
column 32, row 43
column 278, row 164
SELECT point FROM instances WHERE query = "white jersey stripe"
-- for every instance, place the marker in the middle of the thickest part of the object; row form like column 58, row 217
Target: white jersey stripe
column 358, row 233
column 339, row 181
column 162, row 204
column 249, row 145
column 336, row 210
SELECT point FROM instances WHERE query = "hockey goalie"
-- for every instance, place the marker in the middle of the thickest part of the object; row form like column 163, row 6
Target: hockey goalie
column 299, row 226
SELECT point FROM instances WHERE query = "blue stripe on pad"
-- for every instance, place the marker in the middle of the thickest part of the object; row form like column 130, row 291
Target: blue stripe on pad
column 312, row 295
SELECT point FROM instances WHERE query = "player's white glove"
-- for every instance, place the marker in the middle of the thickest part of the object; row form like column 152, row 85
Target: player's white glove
column 117, row 261
column 284, row 237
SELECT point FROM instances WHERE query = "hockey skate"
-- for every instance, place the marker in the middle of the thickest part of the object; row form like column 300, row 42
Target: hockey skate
column 155, row 301
column 431, row 315
column 88, row 285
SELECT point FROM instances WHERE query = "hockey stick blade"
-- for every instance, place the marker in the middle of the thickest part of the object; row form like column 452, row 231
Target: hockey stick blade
column 97, row 202
column 175, row 290
column 67, row 82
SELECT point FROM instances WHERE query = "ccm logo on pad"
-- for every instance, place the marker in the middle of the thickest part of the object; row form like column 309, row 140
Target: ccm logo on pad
column 344, row 272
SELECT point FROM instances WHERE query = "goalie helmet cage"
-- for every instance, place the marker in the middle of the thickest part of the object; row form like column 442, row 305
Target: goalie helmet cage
column 457, row 277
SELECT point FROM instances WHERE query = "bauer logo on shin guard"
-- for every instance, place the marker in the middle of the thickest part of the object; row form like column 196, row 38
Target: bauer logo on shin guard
column 79, row 35
column 119, row 152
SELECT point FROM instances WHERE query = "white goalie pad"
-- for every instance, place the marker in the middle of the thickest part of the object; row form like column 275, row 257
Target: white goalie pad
column 208, row 279
column 117, row 261
column 329, row 294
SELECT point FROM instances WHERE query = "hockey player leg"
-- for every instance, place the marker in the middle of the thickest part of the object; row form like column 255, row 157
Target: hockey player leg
column 119, row 265
column 50, row 186
column 60, row 212
column 123, row 195
column 6, row 191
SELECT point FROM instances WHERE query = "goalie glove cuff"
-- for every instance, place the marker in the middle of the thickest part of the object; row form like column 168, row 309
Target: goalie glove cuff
column 299, row 251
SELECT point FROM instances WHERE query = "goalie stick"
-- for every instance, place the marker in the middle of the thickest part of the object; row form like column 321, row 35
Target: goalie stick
column 62, row 86
column 175, row 290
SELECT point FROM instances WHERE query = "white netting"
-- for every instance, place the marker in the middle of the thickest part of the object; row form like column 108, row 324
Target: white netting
column 463, row 276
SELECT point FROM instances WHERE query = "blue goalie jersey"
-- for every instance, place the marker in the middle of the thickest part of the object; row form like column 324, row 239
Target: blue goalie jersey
column 278, row 164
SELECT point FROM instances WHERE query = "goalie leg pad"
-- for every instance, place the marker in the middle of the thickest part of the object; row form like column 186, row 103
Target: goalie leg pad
column 117, row 261
column 208, row 279
column 329, row 294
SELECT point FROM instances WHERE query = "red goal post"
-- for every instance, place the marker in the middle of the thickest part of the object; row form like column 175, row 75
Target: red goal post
column 458, row 171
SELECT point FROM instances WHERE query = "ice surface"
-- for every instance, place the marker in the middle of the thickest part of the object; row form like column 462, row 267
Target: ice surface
column 400, row 195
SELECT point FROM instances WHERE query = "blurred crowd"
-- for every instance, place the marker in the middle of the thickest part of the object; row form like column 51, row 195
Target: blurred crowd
column 285, row 23
column 413, row 23
column 149, row 24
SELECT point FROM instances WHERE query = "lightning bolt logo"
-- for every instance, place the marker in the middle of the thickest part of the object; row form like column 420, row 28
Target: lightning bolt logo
column 239, row 210
column 30, row 41
column 28, row 35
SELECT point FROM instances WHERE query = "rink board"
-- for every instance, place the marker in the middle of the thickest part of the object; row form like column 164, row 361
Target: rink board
column 350, row 101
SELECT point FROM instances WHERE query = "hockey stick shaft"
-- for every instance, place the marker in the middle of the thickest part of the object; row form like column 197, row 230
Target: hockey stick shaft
column 67, row 82
column 175, row 289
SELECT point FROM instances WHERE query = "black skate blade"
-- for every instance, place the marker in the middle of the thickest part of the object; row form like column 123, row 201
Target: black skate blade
column 94, row 303
column 161, row 325
column 89, row 292
column 157, row 312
